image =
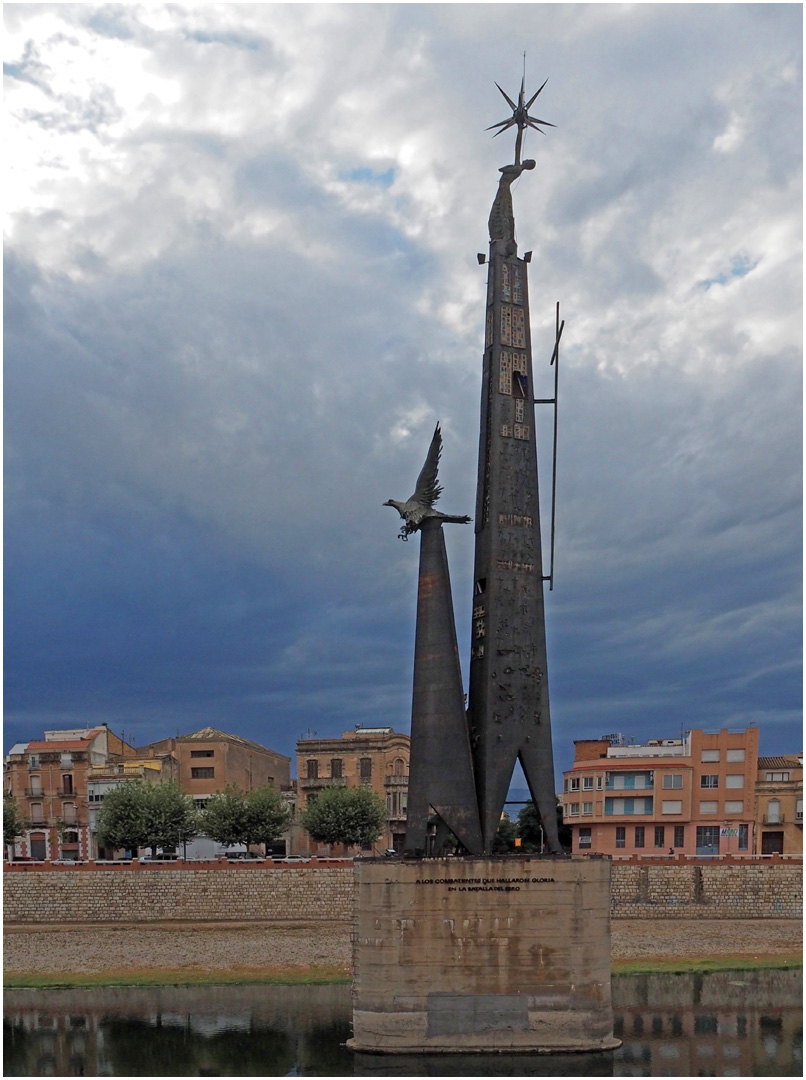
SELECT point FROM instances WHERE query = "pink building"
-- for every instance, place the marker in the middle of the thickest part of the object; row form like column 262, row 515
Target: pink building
column 691, row 796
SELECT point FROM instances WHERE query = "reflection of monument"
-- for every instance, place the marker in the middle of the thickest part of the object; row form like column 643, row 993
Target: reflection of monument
column 484, row 953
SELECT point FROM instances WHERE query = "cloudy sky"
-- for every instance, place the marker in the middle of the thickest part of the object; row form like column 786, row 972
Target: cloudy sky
column 241, row 286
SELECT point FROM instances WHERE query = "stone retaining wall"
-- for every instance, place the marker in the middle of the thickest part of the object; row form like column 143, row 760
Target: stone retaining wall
column 225, row 893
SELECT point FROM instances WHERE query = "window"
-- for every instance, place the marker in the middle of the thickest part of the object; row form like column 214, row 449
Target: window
column 734, row 755
column 69, row 811
column 204, row 773
column 773, row 812
column 202, row 753
column 36, row 785
column 399, row 766
column 709, row 780
column 744, row 836
column 67, row 784
column 734, row 780
column 598, row 783
column 628, row 806
column 660, row 836
column 33, row 761
column 709, row 807
column 312, row 767
column 639, row 836
column 587, row 808
column 734, row 807
column 365, row 768
column 671, row 806
column 574, row 783
column 709, row 755
column 336, row 768
column 621, row 836
column 584, row 837
column 200, row 804
column 799, row 810
column 36, row 812
column 772, row 777
column 66, row 761
column 707, row 839
column 673, row 780
column 587, row 783
column 573, row 809
column 679, row 836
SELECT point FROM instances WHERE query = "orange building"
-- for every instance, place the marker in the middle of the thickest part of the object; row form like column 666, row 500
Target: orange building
column 49, row 780
column 209, row 760
column 694, row 795
column 377, row 757
column 779, row 805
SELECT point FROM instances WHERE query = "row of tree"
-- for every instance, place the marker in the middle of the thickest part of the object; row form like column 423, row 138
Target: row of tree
column 137, row 815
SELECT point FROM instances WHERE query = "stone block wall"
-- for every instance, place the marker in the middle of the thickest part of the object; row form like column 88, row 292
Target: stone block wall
column 293, row 894
column 320, row 893
column 707, row 891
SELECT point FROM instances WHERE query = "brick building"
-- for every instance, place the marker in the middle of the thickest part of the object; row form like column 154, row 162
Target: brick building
column 210, row 760
column 694, row 795
column 49, row 779
column 377, row 757
column 779, row 805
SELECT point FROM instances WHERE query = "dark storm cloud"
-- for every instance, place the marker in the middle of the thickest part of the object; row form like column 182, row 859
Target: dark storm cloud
column 241, row 288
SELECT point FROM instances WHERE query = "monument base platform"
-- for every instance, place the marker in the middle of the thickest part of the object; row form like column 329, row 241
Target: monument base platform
column 493, row 954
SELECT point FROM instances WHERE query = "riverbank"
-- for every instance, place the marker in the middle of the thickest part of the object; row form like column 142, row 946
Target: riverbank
column 193, row 954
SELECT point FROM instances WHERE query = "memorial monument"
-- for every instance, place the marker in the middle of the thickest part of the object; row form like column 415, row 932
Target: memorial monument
column 483, row 952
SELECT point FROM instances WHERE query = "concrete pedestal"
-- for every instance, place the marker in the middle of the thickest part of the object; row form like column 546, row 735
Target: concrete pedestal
column 482, row 954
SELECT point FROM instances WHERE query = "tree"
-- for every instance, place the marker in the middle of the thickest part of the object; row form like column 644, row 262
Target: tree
column 267, row 815
column 171, row 816
column 531, row 832
column 146, row 815
column 341, row 815
column 122, row 821
column 234, row 816
column 224, row 817
column 13, row 822
column 504, row 839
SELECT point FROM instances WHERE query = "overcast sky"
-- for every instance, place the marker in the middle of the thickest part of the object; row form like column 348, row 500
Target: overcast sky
column 241, row 288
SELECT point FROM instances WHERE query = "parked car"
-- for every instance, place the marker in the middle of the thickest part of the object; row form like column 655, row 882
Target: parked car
column 292, row 859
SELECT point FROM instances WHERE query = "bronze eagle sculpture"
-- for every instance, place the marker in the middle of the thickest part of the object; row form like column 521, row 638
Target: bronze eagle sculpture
column 419, row 507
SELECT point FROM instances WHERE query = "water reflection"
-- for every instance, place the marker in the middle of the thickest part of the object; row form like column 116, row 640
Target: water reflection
column 721, row 1024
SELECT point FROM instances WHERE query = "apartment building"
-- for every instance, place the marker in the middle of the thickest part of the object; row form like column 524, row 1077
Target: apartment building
column 779, row 805
column 694, row 795
column 49, row 779
column 377, row 757
column 209, row 760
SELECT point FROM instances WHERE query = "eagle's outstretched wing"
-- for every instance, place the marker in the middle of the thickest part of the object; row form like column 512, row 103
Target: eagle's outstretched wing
column 428, row 490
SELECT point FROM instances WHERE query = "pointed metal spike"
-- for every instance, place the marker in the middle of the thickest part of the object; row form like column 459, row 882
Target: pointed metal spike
column 533, row 122
column 503, row 125
column 511, row 103
column 533, row 98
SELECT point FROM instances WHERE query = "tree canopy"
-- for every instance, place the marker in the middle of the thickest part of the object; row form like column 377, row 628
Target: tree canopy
column 13, row 822
column 341, row 815
column 233, row 816
column 530, row 830
column 136, row 815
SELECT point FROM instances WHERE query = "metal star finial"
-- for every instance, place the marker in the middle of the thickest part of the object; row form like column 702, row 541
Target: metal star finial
column 521, row 117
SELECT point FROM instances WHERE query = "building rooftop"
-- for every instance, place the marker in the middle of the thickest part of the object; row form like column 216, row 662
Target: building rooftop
column 211, row 734
column 789, row 761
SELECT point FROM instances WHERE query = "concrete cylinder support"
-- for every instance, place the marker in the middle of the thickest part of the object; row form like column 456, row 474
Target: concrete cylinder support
column 482, row 954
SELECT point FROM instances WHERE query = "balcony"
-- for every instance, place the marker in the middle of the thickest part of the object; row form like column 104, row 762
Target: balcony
column 30, row 793
column 778, row 819
column 316, row 783
column 396, row 781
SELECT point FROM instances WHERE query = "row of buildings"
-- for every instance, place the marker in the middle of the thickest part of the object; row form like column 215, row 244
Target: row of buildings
column 703, row 794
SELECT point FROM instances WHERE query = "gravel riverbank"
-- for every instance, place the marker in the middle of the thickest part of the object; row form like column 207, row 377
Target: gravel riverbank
column 256, row 947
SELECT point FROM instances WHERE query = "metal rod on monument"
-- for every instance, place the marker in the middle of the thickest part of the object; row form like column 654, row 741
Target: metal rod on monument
column 555, row 359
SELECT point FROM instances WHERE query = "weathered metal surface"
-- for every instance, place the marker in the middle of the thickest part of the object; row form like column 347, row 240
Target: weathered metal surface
column 508, row 701
column 440, row 766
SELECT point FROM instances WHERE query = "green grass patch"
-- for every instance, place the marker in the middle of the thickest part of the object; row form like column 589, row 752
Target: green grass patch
column 724, row 963
column 313, row 976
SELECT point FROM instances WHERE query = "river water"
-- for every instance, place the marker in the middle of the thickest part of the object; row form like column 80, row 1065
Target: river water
column 718, row 1024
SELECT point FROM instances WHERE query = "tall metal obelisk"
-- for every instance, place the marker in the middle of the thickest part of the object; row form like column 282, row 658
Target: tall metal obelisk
column 508, row 701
